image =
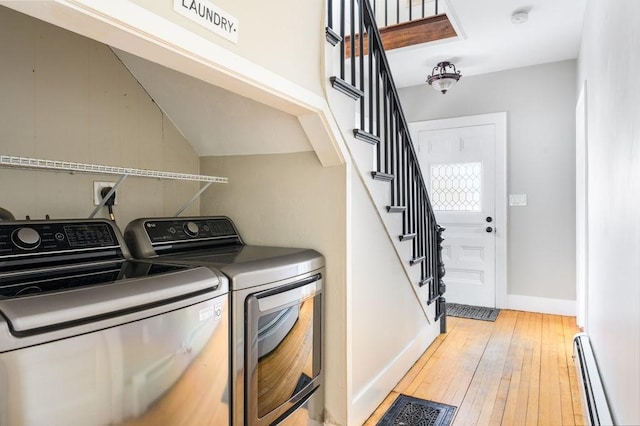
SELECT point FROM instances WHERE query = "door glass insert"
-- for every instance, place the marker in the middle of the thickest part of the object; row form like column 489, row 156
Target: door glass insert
column 286, row 354
column 456, row 187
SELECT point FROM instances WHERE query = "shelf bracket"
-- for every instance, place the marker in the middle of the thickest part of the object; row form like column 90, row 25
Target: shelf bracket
column 195, row 197
column 106, row 197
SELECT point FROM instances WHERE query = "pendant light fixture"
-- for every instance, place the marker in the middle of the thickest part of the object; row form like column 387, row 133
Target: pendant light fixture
column 441, row 79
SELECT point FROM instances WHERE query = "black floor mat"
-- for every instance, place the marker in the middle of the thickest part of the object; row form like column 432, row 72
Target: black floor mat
column 472, row 312
column 410, row 411
column 303, row 381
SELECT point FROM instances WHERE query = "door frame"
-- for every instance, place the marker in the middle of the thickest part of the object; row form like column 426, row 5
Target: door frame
column 499, row 121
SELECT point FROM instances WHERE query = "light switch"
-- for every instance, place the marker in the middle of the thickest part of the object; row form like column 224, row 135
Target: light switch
column 517, row 200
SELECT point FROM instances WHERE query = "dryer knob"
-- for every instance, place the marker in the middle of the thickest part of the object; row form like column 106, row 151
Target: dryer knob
column 191, row 229
column 26, row 238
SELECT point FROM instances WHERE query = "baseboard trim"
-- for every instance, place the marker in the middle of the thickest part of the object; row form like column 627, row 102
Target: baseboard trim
column 541, row 304
column 364, row 403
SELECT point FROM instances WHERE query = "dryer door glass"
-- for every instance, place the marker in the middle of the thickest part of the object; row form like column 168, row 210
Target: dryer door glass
column 284, row 356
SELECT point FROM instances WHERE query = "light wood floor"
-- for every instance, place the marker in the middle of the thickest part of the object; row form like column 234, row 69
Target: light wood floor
column 518, row 370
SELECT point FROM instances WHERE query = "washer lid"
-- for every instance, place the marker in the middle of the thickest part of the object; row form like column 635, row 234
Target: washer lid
column 59, row 309
column 248, row 266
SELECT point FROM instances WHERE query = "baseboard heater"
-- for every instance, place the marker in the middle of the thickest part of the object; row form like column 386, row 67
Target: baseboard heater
column 594, row 399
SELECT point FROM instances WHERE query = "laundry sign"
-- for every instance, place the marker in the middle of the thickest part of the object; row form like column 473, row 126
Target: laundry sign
column 210, row 16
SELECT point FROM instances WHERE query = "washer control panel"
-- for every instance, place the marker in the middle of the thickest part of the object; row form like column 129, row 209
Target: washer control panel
column 17, row 238
column 176, row 230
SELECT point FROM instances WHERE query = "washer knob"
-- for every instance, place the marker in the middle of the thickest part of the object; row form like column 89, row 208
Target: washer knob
column 191, row 229
column 26, row 238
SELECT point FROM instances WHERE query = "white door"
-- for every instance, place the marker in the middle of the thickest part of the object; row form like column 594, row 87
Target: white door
column 459, row 167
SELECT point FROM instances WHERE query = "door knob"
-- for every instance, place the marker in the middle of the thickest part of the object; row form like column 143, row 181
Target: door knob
column 489, row 229
column 489, row 219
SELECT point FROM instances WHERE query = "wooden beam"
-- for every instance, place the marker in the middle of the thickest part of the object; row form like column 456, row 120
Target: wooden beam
column 418, row 31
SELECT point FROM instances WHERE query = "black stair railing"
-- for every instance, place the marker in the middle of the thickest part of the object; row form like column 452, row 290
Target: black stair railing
column 367, row 78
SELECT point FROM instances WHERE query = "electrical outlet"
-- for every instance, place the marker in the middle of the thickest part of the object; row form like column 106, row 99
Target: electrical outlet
column 97, row 196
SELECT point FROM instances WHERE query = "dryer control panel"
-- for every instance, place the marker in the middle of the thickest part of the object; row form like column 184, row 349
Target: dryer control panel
column 162, row 231
column 150, row 237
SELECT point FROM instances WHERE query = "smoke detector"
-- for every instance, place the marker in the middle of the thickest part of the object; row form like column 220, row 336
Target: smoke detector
column 519, row 17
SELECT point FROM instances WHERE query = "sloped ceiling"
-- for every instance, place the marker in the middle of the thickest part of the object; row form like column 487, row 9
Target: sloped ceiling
column 216, row 121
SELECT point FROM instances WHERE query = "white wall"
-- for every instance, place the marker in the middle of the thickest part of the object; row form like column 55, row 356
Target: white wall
column 65, row 97
column 290, row 200
column 387, row 330
column 609, row 63
column 540, row 103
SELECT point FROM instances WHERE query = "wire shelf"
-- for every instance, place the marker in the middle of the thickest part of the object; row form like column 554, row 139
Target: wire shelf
column 68, row 166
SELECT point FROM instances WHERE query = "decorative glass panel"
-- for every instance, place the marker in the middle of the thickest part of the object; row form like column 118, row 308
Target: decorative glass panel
column 456, row 186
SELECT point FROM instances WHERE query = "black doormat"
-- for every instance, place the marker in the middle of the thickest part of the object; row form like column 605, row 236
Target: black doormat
column 472, row 312
column 303, row 381
column 410, row 411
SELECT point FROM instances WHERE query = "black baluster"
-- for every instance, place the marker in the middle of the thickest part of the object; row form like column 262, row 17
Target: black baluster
column 403, row 184
column 371, row 49
column 352, row 41
column 385, row 103
column 361, row 52
column 397, row 154
column 342, row 46
column 386, row 13
column 378, row 117
column 392, row 149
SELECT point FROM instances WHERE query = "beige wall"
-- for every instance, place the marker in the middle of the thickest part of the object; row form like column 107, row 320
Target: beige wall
column 284, row 36
column 214, row 120
column 291, row 200
column 65, row 97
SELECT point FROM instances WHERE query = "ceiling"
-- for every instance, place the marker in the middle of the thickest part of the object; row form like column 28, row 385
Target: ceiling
column 489, row 42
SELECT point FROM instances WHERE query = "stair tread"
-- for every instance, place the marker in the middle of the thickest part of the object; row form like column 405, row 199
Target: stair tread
column 416, row 260
column 409, row 236
column 382, row 176
column 346, row 88
column 433, row 299
column 332, row 37
column 366, row 136
column 396, row 209
column 425, row 281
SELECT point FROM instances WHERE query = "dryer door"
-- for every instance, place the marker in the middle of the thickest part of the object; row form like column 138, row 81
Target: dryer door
column 283, row 347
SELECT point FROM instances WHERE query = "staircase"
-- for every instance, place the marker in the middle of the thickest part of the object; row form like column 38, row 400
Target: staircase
column 381, row 147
